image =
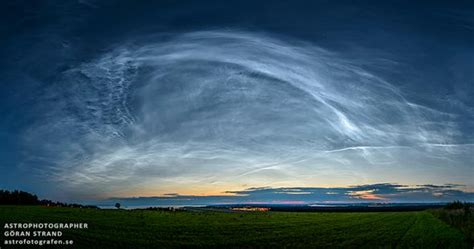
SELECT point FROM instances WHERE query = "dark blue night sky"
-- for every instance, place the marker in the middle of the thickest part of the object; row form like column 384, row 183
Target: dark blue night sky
column 298, row 99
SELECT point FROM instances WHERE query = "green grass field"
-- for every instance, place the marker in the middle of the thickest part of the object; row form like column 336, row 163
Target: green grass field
column 159, row 229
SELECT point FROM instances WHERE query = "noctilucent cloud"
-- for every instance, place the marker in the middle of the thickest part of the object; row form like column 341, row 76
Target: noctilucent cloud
column 238, row 101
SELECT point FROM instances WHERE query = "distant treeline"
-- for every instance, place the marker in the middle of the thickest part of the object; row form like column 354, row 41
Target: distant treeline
column 339, row 208
column 18, row 197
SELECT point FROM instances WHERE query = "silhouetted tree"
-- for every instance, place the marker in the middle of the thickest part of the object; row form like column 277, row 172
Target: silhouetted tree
column 117, row 205
column 17, row 197
column 457, row 205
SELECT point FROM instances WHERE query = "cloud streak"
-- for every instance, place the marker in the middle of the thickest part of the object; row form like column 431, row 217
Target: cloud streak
column 218, row 107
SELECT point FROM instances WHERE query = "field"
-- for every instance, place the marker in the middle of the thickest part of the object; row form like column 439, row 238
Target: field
column 183, row 229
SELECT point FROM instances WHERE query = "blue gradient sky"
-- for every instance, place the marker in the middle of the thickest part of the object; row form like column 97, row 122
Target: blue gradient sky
column 105, row 99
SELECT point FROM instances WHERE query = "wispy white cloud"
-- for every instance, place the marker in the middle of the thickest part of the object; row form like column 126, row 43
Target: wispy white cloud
column 236, row 107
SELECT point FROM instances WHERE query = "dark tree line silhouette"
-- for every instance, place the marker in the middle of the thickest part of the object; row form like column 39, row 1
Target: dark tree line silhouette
column 18, row 197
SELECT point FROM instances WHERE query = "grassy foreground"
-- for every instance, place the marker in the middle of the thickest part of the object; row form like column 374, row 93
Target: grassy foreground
column 159, row 229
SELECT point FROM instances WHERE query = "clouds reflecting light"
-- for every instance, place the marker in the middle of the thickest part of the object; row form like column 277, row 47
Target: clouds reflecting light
column 220, row 109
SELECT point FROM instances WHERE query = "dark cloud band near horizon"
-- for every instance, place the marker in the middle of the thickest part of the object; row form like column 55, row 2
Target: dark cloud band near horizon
column 377, row 193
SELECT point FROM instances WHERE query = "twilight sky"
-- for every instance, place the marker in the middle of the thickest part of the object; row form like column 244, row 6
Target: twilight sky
column 276, row 101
